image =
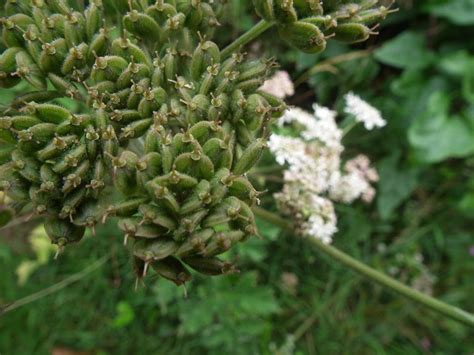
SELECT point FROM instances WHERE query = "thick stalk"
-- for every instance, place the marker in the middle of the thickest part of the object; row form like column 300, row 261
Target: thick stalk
column 384, row 280
column 247, row 37
column 329, row 64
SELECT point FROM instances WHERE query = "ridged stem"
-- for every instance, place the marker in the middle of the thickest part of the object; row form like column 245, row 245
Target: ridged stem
column 377, row 276
column 247, row 37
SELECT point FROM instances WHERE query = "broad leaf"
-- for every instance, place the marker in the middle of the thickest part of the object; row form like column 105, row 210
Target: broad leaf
column 436, row 135
column 459, row 12
column 396, row 184
column 406, row 51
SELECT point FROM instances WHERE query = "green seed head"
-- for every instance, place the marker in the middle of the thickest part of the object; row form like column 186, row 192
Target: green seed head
column 164, row 126
column 308, row 24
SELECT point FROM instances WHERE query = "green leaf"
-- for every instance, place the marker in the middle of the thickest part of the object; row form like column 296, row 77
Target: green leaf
column 466, row 204
column 468, row 82
column 459, row 12
column 396, row 184
column 125, row 315
column 406, row 51
column 231, row 303
column 435, row 135
column 455, row 63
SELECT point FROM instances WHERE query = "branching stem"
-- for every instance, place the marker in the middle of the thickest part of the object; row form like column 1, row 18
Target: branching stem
column 247, row 37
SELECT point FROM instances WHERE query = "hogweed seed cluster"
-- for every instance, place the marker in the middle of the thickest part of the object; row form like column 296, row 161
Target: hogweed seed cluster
column 165, row 127
column 309, row 24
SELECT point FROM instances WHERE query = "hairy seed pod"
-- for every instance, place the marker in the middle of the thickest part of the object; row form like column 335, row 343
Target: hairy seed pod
column 352, row 32
column 285, row 11
column 210, row 266
column 308, row 7
column 324, row 23
column 28, row 70
column 93, row 19
column 293, row 16
column 142, row 25
column 249, row 157
column 304, row 36
column 264, row 9
column 172, row 269
column 63, row 232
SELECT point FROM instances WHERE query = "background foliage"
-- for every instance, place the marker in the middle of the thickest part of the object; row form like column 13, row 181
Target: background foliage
column 287, row 299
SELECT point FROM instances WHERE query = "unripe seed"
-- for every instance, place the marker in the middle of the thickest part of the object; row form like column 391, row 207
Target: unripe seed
column 142, row 25
column 172, row 269
column 285, row 11
column 70, row 159
column 92, row 20
column 304, row 36
column 126, row 208
column 250, row 157
column 352, row 32
column 265, row 9
column 41, row 133
column 210, row 266
column 156, row 215
column 28, row 70
column 62, row 232
column 200, row 197
column 71, row 203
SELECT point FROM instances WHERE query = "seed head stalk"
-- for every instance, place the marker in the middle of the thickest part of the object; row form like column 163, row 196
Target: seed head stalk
column 374, row 275
column 247, row 37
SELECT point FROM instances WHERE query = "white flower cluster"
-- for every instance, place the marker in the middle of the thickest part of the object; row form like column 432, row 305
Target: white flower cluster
column 363, row 112
column 279, row 85
column 355, row 183
column 314, row 177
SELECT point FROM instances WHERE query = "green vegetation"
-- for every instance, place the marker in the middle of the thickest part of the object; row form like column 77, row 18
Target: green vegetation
column 288, row 298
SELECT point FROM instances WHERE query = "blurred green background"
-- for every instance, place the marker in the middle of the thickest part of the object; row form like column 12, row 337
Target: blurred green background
column 288, row 299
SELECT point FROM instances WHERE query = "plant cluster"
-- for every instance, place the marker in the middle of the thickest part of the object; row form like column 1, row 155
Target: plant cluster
column 316, row 176
column 295, row 299
column 165, row 120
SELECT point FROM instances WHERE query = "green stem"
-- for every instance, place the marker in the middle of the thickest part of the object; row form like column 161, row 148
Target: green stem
column 247, row 37
column 54, row 288
column 384, row 280
column 328, row 64
column 18, row 221
column 349, row 127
